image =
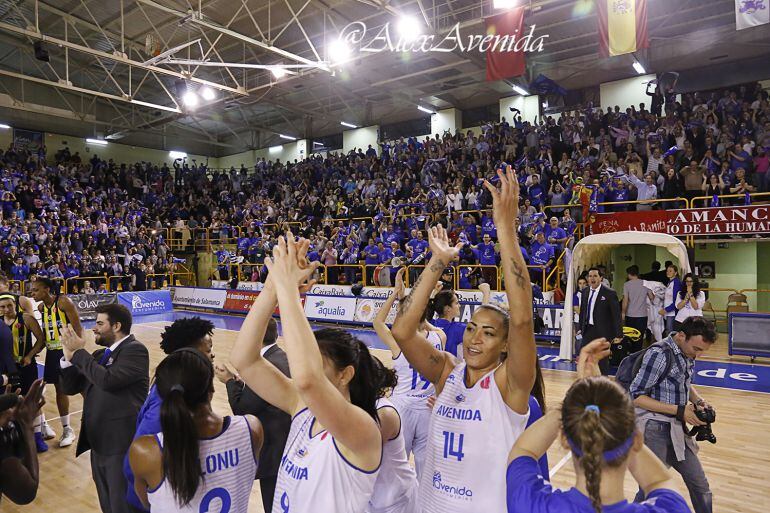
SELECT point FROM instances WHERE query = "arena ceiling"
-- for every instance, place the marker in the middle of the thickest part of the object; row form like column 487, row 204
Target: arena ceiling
column 100, row 79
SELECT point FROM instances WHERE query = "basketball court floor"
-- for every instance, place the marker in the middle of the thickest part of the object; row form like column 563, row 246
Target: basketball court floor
column 736, row 466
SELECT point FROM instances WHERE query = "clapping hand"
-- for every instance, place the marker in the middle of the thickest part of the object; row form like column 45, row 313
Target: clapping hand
column 288, row 266
column 505, row 201
column 590, row 356
column 222, row 373
column 440, row 245
column 71, row 342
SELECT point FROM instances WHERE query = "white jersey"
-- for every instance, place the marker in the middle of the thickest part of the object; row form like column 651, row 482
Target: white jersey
column 413, row 390
column 471, row 432
column 314, row 476
column 228, row 467
column 395, row 490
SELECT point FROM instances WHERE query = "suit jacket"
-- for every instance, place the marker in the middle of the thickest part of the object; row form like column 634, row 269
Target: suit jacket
column 276, row 423
column 113, row 392
column 607, row 322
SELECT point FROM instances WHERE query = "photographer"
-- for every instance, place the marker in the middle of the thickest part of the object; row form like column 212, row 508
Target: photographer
column 666, row 401
column 19, row 474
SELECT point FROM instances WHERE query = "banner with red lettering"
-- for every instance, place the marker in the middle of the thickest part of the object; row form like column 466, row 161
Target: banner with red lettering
column 695, row 221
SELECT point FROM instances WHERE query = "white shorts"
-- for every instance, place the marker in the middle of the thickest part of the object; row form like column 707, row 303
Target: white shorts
column 415, row 420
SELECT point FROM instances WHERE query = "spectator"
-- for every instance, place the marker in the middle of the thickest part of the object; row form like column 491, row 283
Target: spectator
column 689, row 301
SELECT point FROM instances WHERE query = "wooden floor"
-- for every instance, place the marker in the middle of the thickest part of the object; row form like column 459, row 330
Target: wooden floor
column 737, row 466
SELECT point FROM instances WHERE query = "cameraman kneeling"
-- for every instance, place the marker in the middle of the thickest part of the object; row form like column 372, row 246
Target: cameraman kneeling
column 665, row 401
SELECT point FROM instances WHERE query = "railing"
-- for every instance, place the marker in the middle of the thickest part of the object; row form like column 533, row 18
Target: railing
column 183, row 278
column 753, row 195
column 332, row 273
column 157, row 280
column 491, row 274
column 82, row 279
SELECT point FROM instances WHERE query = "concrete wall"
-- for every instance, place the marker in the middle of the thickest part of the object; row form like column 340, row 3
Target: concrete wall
column 6, row 137
column 447, row 119
column 528, row 105
column 360, row 138
column 627, row 92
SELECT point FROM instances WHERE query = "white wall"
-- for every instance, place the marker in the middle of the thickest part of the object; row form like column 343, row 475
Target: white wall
column 447, row 119
column 627, row 92
column 528, row 105
column 360, row 138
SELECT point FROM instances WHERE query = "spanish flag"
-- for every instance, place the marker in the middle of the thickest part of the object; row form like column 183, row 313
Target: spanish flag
column 622, row 26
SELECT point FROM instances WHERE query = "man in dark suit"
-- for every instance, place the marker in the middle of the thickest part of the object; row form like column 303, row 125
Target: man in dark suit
column 599, row 313
column 114, row 382
column 275, row 422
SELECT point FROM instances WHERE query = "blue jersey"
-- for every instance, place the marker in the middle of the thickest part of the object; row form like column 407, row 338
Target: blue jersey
column 147, row 423
column 540, row 254
column 488, row 227
column 454, row 334
column 418, row 246
column 487, row 254
column 372, row 255
column 528, row 491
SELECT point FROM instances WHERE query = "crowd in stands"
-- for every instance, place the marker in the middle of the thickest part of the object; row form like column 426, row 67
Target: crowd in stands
column 65, row 217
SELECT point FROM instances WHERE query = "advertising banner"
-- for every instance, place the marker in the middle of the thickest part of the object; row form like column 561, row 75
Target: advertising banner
column 330, row 308
column 239, row 300
column 198, row 298
column 87, row 303
column 695, row 221
column 146, row 302
column 331, row 290
column 367, row 309
column 242, row 285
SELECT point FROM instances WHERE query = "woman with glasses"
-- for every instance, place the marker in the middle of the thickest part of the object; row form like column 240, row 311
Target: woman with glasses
column 689, row 301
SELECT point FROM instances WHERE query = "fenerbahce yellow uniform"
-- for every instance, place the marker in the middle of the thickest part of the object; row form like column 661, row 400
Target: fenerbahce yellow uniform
column 54, row 320
column 22, row 345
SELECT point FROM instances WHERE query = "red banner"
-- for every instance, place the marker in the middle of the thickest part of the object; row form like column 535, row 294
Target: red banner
column 696, row 221
column 503, row 64
column 241, row 300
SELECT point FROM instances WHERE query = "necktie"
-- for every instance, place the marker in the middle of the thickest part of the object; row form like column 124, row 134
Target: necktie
column 105, row 356
column 591, row 307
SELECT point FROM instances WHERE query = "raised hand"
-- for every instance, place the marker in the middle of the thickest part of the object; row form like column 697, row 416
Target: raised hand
column 399, row 288
column 590, row 355
column 440, row 245
column 288, row 266
column 505, row 201
column 29, row 408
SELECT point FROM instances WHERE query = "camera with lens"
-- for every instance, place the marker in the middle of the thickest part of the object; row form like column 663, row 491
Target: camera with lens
column 707, row 415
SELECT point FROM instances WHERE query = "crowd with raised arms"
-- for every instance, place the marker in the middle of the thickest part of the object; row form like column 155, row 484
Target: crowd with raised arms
column 65, row 216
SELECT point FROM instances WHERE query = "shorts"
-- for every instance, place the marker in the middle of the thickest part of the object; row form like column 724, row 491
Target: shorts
column 28, row 376
column 52, row 365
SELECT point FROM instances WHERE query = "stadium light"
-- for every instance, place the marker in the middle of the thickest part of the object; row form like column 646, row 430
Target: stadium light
column 409, row 28
column 317, row 143
column 349, row 125
column 275, row 149
column 278, row 72
column 639, row 68
column 504, row 4
column 208, row 94
column 520, row 90
column 177, row 155
column 96, row 141
column 426, row 110
column 290, row 138
column 4, row 126
column 190, row 99
column 339, row 51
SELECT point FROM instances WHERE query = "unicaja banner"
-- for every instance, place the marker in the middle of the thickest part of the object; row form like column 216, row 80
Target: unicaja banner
column 503, row 64
column 751, row 13
column 622, row 26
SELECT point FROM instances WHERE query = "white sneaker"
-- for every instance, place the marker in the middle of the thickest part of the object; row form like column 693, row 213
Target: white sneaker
column 67, row 437
column 48, row 433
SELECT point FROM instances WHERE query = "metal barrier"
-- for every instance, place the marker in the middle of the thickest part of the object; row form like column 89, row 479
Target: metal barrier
column 757, row 292
column 332, row 273
column 183, row 279
column 538, row 269
column 753, row 195
column 83, row 279
column 492, row 275
column 157, row 280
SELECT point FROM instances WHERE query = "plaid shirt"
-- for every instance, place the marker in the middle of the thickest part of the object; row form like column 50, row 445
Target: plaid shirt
column 671, row 389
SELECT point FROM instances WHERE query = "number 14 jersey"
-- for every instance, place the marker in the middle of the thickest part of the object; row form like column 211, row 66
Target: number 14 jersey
column 471, row 433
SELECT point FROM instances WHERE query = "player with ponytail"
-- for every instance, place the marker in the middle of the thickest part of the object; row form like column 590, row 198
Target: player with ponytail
column 335, row 447
column 198, row 456
column 597, row 424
